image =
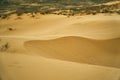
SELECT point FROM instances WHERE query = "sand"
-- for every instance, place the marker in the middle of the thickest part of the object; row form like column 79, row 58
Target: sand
column 77, row 49
column 54, row 47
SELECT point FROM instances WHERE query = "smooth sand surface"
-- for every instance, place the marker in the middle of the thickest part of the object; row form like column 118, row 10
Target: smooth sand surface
column 77, row 49
column 26, row 67
column 54, row 47
column 53, row 26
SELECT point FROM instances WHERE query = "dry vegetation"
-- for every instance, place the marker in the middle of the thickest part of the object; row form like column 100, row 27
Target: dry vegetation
column 57, row 7
column 3, row 45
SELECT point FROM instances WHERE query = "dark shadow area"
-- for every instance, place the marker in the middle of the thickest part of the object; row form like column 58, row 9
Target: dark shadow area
column 77, row 49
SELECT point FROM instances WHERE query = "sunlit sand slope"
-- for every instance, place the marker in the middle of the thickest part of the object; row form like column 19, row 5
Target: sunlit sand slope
column 54, row 47
column 52, row 26
column 26, row 67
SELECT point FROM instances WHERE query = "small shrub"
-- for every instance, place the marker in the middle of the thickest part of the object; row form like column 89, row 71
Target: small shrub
column 5, row 47
column 11, row 29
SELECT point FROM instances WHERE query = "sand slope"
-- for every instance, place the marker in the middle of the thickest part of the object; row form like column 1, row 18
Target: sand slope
column 77, row 49
column 26, row 67
column 54, row 47
column 55, row 26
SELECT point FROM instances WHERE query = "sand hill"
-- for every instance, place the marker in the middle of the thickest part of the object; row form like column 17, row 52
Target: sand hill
column 54, row 47
column 104, row 52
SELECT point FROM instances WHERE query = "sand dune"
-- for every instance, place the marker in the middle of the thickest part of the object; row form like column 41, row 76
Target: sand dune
column 54, row 47
column 52, row 26
column 99, row 52
column 95, row 29
column 29, row 67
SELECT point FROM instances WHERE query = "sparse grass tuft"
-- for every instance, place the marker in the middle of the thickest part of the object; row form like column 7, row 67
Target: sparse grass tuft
column 5, row 47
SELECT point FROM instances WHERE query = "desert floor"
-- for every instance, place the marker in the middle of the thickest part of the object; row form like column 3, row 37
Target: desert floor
column 55, row 47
